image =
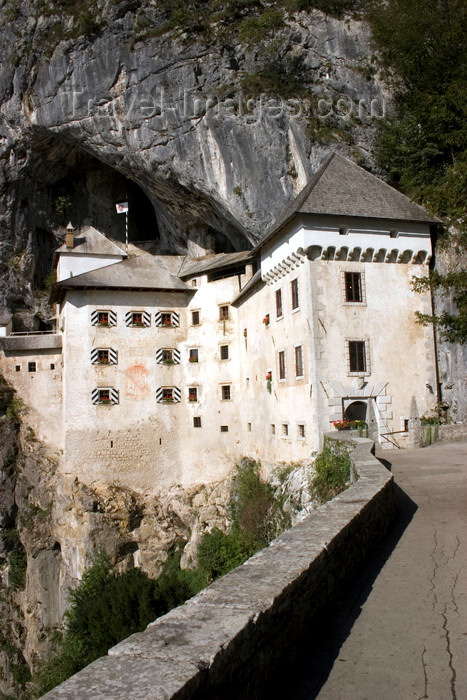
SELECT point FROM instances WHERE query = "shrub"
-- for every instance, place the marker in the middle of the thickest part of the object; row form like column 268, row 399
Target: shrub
column 331, row 470
column 107, row 607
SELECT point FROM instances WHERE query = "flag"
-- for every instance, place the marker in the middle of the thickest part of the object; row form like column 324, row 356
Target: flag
column 122, row 208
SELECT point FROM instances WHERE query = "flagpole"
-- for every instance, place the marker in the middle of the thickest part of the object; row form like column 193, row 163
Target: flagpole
column 126, row 230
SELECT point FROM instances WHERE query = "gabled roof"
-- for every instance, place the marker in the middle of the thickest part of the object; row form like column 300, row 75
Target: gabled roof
column 89, row 241
column 197, row 266
column 255, row 280
column 343, row 188
column 143, row 272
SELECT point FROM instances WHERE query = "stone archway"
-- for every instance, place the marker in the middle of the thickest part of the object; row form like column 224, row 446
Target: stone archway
column 357, row 410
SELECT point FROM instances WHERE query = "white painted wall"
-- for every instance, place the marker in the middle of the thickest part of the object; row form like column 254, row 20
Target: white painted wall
column 72, row 264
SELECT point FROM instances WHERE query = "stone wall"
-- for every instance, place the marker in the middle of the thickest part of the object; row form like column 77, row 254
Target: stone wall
column 226, row 640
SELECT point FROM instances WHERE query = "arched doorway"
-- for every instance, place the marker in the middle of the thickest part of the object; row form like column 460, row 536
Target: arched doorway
column 356, row 410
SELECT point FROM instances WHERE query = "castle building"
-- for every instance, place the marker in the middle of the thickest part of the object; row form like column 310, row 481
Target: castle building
column 168, row 369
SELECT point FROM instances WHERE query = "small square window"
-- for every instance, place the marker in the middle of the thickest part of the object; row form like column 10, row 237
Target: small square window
column 137, row 318
column 273, row 429
column 103, row 318
column 294, row 293
column 192, row 394
column 195, row 318
column 168, row 394
column 166, row 319
column 18, row 368
column 279, row 303
column 103, row 357
column 285, row 429
column 104, row 396
column 223, row 313
column 193, row 355
column 224, row 428
column 167, row 356
column 405, row 422
column 197, row 422
column 194, row 283
column 225, row 392
column 301, row 430
column 32, row 367
column 224, row 352
column 52, row 366
column 249, row 427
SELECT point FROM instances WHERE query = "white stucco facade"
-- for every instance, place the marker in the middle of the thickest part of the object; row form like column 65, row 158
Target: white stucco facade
column 172, row 369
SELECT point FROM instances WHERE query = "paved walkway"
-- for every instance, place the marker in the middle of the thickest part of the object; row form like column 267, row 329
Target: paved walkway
column 401, row 632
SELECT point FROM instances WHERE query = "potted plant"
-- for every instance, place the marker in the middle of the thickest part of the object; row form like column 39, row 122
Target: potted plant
column 193, row 359
column 266, row 320
column 342, row 424
column 269, row 381
column 192, row 397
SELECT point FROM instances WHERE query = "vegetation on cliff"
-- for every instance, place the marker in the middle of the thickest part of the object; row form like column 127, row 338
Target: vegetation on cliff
column 423, row 146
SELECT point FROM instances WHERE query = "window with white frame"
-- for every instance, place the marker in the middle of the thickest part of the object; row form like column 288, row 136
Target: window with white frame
column 358, row 357
column 353, row 287
column 193, row 355
column 279, row 303
column 298, row 361
column 193, row 394
column 224, row 352
column 223, row 312
column 294, row 294
column 226, row 393
column 281, row 360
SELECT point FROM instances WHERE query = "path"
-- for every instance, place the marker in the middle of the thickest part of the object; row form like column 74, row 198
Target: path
column 401, row 632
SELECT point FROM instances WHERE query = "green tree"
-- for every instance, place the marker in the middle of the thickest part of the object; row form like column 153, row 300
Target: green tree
column 423, row 147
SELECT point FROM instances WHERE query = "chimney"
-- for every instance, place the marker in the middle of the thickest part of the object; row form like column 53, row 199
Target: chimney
column 70, row 236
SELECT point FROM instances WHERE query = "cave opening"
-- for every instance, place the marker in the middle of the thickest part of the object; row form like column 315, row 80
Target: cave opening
column 87, row 194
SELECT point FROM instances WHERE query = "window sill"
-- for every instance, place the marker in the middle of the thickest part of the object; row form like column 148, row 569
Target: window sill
column 294, row 311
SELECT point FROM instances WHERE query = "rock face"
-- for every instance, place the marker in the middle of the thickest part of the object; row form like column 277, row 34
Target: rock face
column 166, row 124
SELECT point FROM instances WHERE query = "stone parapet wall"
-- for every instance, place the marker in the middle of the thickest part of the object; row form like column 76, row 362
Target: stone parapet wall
column 45, row 341
column 224, row 642
column 456, row 431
